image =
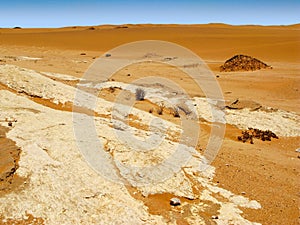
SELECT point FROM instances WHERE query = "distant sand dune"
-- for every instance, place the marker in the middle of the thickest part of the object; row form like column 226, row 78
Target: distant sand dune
column 213, row 41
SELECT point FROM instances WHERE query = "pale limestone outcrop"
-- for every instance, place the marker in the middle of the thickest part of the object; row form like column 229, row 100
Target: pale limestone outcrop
column 62, row 188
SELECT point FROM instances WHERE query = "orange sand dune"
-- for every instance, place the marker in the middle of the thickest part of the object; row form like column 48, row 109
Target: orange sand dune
column 211, row 41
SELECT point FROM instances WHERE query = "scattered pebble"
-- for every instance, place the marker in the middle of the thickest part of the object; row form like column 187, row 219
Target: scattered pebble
column 25, row 217
column 298, row 150
column 215, row 217
column 175, row 201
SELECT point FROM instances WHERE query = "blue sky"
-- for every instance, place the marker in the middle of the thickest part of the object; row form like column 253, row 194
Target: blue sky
column 55, row 13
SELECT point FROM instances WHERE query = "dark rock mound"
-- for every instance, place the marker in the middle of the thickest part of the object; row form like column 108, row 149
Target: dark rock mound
column 243, row 63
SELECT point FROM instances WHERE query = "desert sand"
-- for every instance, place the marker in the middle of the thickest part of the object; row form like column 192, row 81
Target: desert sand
column 45, row 180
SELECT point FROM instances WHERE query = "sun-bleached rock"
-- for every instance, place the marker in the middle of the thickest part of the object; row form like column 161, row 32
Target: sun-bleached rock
column 61, row 182
column 278, row 121
column 59, row 179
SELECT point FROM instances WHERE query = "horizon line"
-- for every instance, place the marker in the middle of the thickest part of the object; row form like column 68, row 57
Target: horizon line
column 136, row 24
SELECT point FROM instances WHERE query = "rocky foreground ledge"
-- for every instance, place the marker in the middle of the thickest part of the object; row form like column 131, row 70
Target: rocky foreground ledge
column 61, row 188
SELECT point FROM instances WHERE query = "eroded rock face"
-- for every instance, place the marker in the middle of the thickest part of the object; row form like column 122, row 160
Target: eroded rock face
column 243, row 63
column 9, row 157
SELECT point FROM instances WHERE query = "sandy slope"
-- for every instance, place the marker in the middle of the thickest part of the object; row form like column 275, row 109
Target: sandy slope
column 266, row 172
column 61, row 49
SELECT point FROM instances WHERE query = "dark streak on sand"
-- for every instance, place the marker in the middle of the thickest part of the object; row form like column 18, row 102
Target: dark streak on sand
column 9, row 155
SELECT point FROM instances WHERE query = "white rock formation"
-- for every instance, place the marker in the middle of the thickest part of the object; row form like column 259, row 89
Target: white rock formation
column 62, row 188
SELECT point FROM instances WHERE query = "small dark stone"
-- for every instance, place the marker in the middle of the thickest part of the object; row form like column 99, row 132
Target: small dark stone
column 175, row 201
column 251, row 141
column 10, row 124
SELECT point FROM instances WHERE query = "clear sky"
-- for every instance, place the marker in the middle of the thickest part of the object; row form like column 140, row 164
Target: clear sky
column 58, row 13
